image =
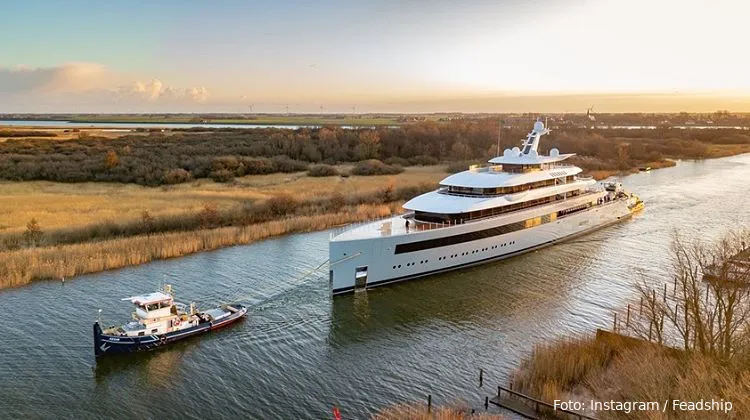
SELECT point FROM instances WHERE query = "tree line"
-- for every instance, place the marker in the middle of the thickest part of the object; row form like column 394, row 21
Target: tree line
column 181, row 155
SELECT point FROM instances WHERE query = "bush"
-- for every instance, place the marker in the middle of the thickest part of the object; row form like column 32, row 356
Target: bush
column 286, row 164
column 281, row 205
column 322, row 170
column 424, row 160
column 177, row 176
column 375, row 167
column 457, row 167
column 395, row 160
column 222, row 175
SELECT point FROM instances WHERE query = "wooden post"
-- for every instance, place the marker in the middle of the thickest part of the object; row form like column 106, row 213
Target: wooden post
column 486, row 402
column 481, row 377
column 665, row 292
column 627, row 320
column 614, row 323
column 429, row 403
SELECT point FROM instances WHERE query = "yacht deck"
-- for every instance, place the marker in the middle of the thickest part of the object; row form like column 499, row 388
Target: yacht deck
column 396, row 225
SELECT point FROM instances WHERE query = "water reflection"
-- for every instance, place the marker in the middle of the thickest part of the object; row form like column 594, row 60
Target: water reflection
column 486, row 295
column 299, row 352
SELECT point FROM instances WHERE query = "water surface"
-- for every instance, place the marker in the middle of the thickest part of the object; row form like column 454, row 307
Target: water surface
column 300, row 352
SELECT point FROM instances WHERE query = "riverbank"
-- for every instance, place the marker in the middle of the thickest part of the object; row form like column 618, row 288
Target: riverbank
column 55, row 230
column 21, row 267
column 608, row 367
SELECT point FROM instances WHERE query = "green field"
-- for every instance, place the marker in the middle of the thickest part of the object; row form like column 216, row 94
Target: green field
column 260, row 119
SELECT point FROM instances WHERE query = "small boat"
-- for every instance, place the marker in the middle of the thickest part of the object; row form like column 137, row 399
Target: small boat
column 158, row 320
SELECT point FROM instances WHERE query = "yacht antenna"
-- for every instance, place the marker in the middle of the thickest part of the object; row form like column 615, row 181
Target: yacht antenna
column 499, row 135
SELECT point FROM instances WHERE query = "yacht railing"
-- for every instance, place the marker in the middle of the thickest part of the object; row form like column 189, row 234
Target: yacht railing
column 420, row 226
column 358, row 225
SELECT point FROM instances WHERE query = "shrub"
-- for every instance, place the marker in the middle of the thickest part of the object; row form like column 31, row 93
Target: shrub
column 177, row 176
column 322, row 170
column 286, row 164
column 457, row 167
column 395, row 160
column 222, row 175
column 424, row 160
column 281, row 205
column 375, row 167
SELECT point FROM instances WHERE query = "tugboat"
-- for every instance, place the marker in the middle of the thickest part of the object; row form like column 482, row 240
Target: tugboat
column 158, row 320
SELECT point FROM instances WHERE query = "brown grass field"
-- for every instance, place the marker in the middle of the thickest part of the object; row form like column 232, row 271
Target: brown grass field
column 80, row 221
column 58, row 205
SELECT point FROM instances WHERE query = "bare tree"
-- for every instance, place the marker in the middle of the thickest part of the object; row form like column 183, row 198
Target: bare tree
column 706, row 308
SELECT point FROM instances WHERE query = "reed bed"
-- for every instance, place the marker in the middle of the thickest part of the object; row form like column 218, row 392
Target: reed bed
column 418, row 411
column 21, row 267
column 584, row 369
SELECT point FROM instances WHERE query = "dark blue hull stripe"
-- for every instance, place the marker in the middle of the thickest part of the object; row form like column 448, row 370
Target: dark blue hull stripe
column 108, row 344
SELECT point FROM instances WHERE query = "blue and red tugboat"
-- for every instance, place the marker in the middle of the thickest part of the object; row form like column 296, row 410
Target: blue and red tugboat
column 158, row 320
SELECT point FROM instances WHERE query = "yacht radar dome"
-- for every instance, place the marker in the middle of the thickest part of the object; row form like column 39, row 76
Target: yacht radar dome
column 538, row 126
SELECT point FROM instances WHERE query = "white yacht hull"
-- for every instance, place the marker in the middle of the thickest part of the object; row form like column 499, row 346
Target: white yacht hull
column 375, row 262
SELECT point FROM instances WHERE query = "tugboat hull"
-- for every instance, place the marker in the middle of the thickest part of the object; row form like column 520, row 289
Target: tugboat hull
column 105, row 344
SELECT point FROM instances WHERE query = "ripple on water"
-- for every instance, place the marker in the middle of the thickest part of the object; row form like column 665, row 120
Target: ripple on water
column 299, row 352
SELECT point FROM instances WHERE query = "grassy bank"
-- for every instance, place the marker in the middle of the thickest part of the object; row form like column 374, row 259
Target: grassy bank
column 24, row 266
column 604, row 369
column 419, row 412
column 64, row 206
column 91, row 227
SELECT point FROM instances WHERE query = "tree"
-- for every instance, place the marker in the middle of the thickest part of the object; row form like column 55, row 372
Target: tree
column 111, row 160
column 461, row 150
column 707, row 308
column 209, row 217
column 33, row 233
column 147, row 222
column 369, row 145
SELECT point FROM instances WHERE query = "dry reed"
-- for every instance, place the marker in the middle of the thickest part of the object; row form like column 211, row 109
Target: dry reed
column 24, row 266
column 417, row 411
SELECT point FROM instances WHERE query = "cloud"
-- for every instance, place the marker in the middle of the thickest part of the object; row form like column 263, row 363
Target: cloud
column 90, row 82
column 155, row 90
column 70, row 77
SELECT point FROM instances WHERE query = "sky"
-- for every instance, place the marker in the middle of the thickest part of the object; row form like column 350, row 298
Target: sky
column 374, row 56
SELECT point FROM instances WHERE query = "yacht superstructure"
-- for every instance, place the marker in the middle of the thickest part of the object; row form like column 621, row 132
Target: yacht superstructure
column 522, row 201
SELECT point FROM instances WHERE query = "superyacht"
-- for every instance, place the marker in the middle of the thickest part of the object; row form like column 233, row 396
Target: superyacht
column 521, row 202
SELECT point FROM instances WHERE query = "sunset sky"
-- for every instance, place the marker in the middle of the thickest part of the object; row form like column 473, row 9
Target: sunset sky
column 413, row 56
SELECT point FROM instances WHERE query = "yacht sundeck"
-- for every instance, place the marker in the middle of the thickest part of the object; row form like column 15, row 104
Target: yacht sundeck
column 159, row 320
column 521, row 202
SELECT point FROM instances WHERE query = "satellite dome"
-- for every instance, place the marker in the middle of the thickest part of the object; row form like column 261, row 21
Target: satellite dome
column 538, row 126
column 554, row 152
column 516, row 150
column 507, row 153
